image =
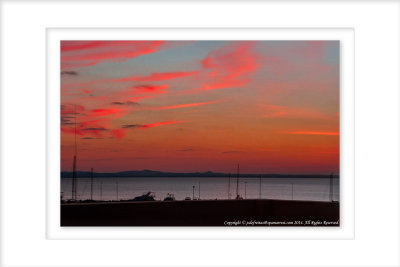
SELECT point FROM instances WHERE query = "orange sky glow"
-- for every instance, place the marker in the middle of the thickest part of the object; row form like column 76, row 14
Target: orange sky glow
column 188, row 106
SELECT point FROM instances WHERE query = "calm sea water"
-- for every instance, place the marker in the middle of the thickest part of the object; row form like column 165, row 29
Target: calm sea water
column 210, row 188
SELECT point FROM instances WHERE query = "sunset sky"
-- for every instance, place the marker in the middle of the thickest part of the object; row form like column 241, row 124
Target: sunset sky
column 187, row 106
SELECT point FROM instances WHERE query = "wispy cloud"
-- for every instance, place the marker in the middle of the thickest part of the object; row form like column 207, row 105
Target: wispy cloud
column 94, row 129
column 157, row 124
column 150, row 125
column 158, row 76
column 89, row 123
column 88, row 53
column 71, row 130
column 186, row 150
column 106, row 112
column 122, row 132
column 149, row 88
column 230, row 66
column 118, row 133
column 313, row 133
column 276, row 111
column 130, row 126
column 187, row 105
column 129, row 103
column 73, row 73
column 72, row 109
column 232, row 152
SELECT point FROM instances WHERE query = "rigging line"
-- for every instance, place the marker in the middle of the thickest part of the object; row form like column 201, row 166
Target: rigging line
column 75, row 126
column 84, row 188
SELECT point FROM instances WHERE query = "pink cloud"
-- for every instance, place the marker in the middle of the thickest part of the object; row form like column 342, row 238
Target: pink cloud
column 150, row 125
column 140, row 92
column 150, row 88
column 107, row 111
column 229, row 66
column 118, row 133
column 73, row 109
column 158, row 76
column 275, row 111
column 91, row 123
column 84, row 45
column 88, row 53
column 187, row 105
column 156, row 124
column 138, row 98
column 71, row 130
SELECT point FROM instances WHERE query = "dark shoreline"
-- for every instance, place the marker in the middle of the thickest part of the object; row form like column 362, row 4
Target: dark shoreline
column 208, row 174
column 255, row 212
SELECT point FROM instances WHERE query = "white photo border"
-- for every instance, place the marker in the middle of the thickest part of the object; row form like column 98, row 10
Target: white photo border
column 23, row 201
column 346, row 229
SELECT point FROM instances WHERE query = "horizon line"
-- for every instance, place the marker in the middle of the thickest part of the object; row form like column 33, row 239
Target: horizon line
column 227, row 173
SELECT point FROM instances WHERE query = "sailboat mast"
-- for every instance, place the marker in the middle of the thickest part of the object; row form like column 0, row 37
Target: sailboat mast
column 74, row 179
column 331, row 187
column 237, row 182
column 229, row 186
column 101, row 190
column 91, row 184
column 74, row 175
column 116, row 184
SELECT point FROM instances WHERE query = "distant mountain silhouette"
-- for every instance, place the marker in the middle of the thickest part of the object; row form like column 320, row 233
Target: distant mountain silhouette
column 150, row 173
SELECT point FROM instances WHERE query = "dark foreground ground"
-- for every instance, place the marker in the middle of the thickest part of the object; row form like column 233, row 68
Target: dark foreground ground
column 202, row 213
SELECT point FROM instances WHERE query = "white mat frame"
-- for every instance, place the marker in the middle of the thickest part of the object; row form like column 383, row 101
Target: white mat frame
column 23, row 218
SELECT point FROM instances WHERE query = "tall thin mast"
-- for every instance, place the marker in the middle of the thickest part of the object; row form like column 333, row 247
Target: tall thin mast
column 101, row 190
column 199, row 190
column 74, row 175
column 116, row 184
column 74, row 179
column 75, row 127
column 331, row 187
column 229, row 186
column 91, row 184
column 245, row 190
column 237, row 182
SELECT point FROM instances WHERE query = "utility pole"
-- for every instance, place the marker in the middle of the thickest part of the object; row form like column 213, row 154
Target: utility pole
column 91, row 184
column 101, row 190
column 74, row 174
column 229, row 186
column 237, row 182
column 331, row 187
column 193, row 192
column 292, row 191
column 245, row 190
column 73, row 194
column 116, row 183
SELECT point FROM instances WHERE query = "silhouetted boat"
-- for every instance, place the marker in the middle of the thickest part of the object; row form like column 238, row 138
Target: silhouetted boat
column 169, row 197
column 70, row 201
column 88, row 200
column 149, row 196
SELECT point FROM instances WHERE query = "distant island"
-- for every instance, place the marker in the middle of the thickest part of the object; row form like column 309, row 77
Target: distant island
column 150, row 173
